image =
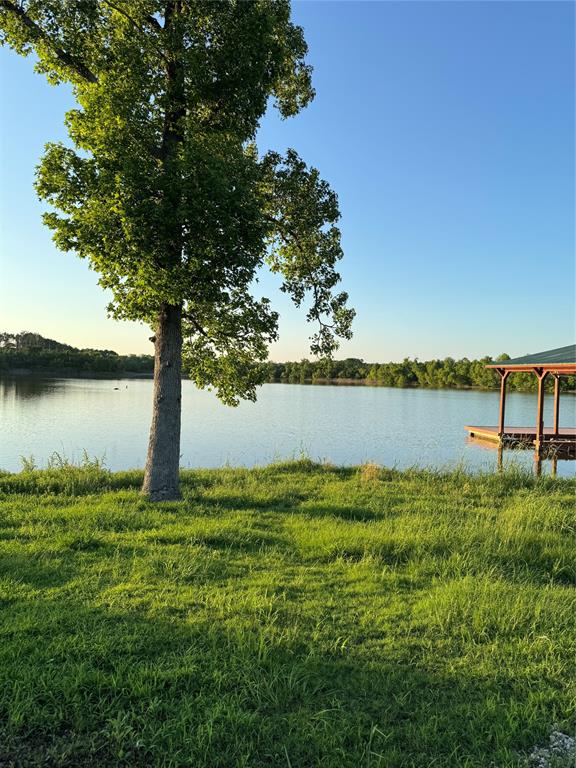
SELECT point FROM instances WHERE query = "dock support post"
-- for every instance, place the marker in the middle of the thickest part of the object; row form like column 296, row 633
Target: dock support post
column 537, row 463
column 556, row 404
column 554, row 470
column 540, row 409
column 503, row 378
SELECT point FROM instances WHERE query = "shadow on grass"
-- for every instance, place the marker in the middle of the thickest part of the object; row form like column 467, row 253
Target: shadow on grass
column 248, row 543
column 306, row 466
column 352, row 512
column 290, row 503
column 34, row 571
column 283, row 502
column 122, row 689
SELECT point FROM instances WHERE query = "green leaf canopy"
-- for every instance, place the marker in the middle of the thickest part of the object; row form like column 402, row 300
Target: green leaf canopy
column 165, row 192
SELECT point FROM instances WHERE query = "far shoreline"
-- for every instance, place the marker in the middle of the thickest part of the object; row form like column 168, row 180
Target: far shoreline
column 67, row 373
column 56, row 373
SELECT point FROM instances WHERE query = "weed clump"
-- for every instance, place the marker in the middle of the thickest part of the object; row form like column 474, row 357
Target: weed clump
column 61, row 475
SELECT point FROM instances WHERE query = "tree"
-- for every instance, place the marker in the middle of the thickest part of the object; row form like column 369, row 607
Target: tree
column 166, row 194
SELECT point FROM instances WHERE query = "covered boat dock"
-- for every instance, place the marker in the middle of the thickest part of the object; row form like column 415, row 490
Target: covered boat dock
column 554, row 362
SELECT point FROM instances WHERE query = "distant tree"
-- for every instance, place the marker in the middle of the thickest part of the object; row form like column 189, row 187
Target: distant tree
column 28, row 340
column 323, row 370
column 482, row 376
column 166, row 194
column 306, row 369
column 351, row 368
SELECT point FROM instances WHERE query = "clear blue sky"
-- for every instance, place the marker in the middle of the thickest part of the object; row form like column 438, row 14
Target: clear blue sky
column 447, row 129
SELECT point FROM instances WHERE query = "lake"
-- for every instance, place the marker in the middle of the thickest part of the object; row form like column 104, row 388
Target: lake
column 341, row 424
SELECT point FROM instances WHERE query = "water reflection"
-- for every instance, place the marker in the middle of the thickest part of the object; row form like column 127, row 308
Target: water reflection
column 548, row 457
column 550, row 454
column 13, row 388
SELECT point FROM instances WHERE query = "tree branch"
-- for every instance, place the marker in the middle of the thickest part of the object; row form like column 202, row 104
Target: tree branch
column 280, row 225
column 122, row 12
column 149, row 19
column 187, row 315
column 154, row 22
column 37, row 33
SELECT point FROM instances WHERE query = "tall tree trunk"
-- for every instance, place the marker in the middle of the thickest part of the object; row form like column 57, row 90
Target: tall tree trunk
column 161, row 480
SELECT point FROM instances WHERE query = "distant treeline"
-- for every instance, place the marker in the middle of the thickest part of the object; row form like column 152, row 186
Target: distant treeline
column 446, row 373
column 30, row 351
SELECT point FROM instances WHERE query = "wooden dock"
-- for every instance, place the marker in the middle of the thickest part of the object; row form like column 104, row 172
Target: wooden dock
column 562, row 440
column 524, row 434
column 557, row 363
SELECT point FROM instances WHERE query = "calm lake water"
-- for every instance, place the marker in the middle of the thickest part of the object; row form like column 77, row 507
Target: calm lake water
column 339, row 424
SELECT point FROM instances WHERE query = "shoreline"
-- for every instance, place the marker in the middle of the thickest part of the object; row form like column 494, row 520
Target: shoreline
column 66, row 373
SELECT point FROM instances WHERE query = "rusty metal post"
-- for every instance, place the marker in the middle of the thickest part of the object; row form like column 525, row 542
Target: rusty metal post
column 503, row 378
column 556, row 403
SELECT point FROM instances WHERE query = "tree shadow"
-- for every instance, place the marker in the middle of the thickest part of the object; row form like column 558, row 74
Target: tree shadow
column 282, row 502
column 303, row 504
column 34, row 571
column 109, row 687
column 352, row 512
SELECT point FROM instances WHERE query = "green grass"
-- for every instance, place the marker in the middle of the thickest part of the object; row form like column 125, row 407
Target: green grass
column 296, row 616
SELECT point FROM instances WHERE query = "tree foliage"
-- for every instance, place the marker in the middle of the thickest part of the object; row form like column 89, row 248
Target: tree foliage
column 439, row 374
column 163, row 189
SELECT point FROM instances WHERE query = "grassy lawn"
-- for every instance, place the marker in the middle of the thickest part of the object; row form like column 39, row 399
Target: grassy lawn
column 294, row 616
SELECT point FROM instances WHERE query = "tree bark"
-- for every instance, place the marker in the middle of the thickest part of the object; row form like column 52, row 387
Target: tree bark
column 161, row 479
column 161, row 476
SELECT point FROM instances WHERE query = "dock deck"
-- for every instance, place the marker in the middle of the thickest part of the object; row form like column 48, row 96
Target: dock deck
column 564, row 435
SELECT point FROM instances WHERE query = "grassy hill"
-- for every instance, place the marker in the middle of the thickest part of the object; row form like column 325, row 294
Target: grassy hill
column 293, row 616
